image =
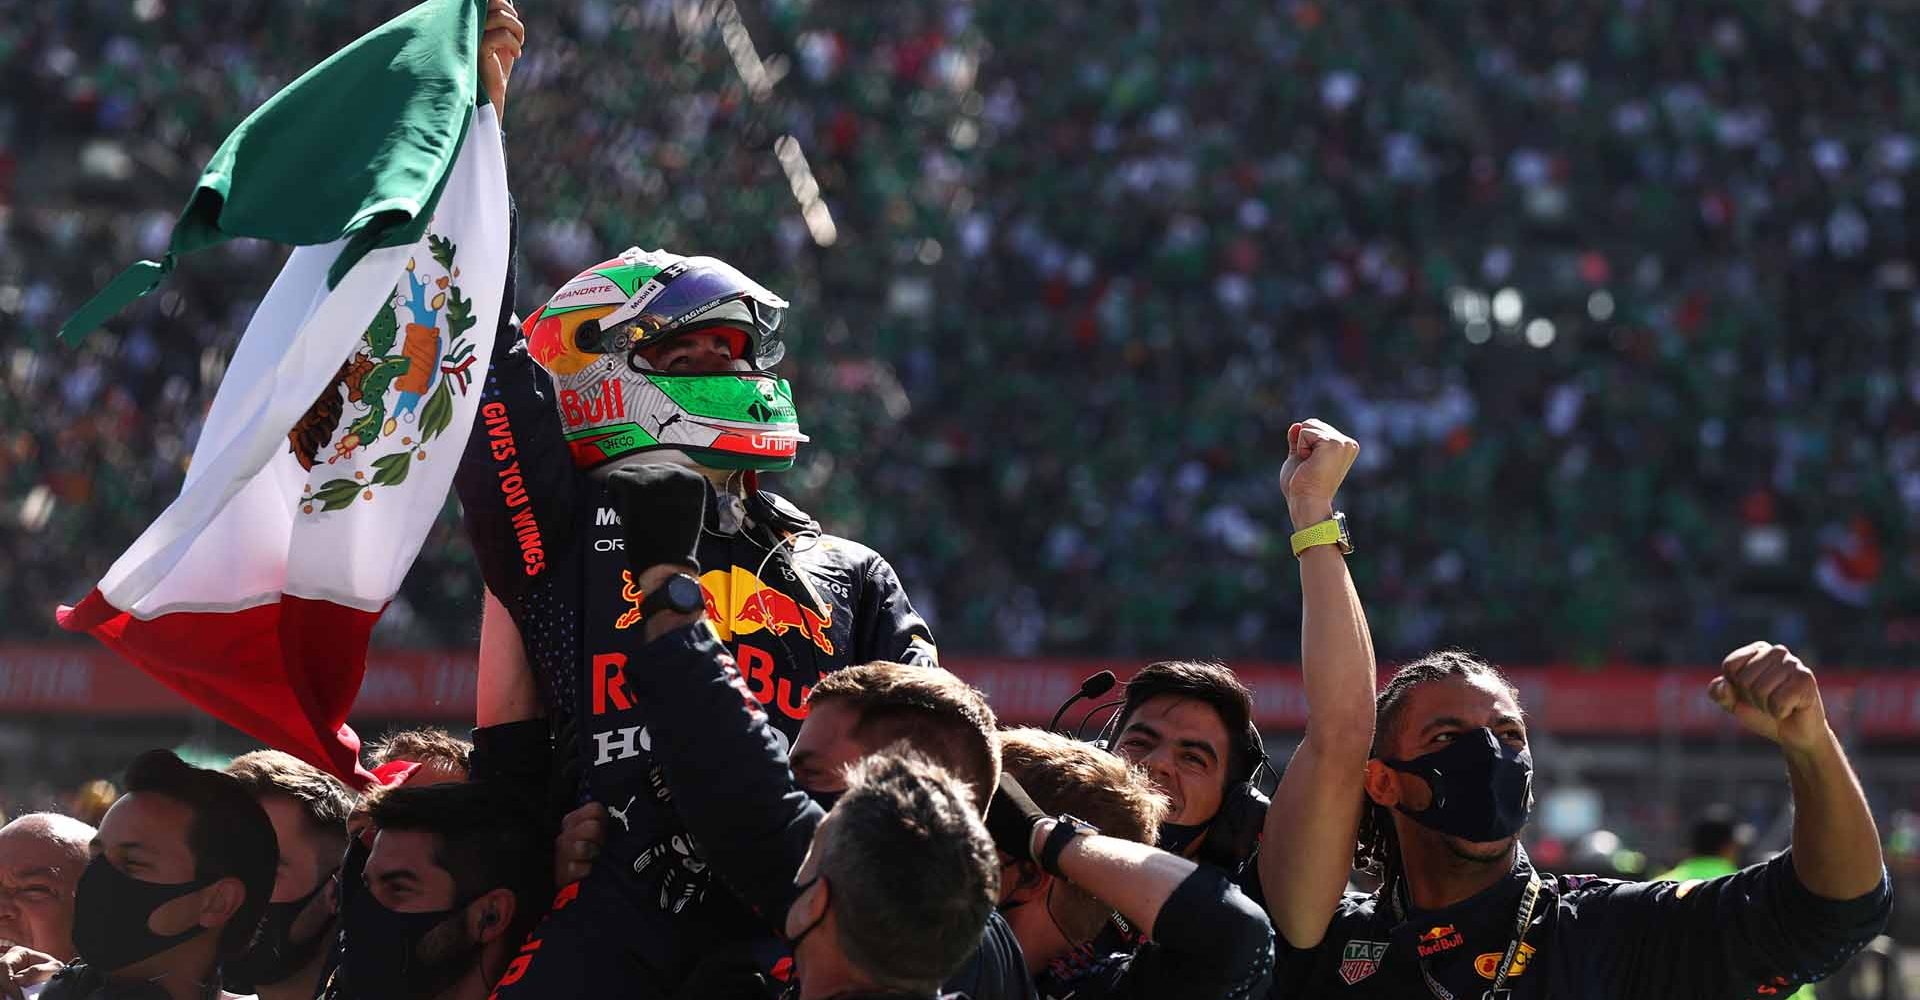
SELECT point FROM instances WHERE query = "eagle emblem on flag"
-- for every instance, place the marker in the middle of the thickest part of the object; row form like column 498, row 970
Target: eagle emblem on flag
column 416, row 348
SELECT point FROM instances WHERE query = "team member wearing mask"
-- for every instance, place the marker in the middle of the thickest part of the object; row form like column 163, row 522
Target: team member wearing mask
column 308, row 808
column 456, row 877
column 1462, row 914
column 181, row 872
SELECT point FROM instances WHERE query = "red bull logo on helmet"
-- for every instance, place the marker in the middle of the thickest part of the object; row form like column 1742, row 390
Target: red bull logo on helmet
column 592, row 405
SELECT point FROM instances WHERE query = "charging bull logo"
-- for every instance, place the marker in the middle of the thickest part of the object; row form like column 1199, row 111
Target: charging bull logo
column 739, row 603
column 630, row 593
column 767, row 608
column 1439, row 939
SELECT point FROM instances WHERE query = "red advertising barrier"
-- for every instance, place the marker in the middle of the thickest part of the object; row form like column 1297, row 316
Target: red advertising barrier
column 1614, row 701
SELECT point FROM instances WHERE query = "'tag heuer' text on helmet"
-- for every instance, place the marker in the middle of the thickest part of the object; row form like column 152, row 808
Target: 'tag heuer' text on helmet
column 613, row 403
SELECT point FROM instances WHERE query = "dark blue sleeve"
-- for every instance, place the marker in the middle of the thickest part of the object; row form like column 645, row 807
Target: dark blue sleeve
column 517, row 758
column 1755, row 933
column 997, row 970
column 1209, row 941
column 516, row 480
column 885, row 625
column 725, row 766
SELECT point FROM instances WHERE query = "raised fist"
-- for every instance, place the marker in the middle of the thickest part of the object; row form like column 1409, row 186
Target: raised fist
column 662, row 508
column 1773, row 694
column 500, row 45
column 1318, row 457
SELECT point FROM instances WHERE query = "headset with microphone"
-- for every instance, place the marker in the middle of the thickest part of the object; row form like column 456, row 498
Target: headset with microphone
column 1234, row 833
column 1092, row 687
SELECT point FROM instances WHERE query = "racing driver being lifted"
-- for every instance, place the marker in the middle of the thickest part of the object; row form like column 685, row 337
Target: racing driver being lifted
column 650, row 357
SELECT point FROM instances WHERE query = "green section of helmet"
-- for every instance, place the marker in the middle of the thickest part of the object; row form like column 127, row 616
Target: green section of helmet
column 598, row 444
column 563, row 310
column 722, row 420
column 628, row 276
column 630, row 435
column 728, row 396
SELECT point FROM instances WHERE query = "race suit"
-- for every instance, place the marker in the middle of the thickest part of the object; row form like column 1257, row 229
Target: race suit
column 790, row 602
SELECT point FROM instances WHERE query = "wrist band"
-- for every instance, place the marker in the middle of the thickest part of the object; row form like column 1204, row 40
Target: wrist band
column 1065, row 828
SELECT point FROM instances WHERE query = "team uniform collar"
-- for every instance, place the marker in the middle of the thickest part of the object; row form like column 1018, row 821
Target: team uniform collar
column 1501, row 895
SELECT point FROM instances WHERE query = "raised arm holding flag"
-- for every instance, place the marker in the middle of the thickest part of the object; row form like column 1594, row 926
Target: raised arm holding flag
column 330, row 444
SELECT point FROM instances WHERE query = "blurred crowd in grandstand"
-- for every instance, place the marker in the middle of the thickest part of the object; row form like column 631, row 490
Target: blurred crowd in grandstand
column 1617, row 295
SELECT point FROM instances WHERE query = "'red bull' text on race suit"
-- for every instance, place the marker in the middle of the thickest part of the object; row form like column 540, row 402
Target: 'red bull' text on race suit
column 791, row 603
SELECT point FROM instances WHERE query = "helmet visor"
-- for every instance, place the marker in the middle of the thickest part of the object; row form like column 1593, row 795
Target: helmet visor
column 680, row 297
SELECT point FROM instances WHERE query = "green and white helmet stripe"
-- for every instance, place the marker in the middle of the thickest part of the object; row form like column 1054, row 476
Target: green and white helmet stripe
column 613, row 403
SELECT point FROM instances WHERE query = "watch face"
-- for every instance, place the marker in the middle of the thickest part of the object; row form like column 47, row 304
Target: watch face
column 1346, row 537
column 1077, row 823
column 683, row 594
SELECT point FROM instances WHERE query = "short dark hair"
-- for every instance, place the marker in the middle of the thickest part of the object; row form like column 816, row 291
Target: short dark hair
column 1065, row 775
column 930, row 709
column 1217, row 686
column 486, row 841
column 425, row 745
column 1376, row 850
column 1445, row 664
column 324, row 798
column 911, row 872
column 229, row 836
column 1716, row 830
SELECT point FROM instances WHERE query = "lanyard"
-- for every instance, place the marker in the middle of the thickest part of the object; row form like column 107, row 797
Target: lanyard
column 1522, row 919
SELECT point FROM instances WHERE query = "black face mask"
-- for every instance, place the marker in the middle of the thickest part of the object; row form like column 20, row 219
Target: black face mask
column 1482, row 788
column 826, row 800
column 1175, row 838
column 275, row 955
column 383, row 958
column 353, row 870
column 110, row 912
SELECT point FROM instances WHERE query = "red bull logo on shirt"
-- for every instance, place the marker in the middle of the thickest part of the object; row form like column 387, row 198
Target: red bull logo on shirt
column 745, row 605
column 739, row 603
column 1438, row 939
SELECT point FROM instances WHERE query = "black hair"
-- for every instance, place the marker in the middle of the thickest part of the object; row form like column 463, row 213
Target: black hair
column 229, row 836
column 1378, row 851
column 487, row 841
column 911, row 871
column 1217, row 686
column 1714, row 832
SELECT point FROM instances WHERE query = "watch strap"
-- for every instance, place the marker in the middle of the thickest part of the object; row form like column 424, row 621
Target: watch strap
column 1326, row 532
column 1065, row 828
column 661, row 598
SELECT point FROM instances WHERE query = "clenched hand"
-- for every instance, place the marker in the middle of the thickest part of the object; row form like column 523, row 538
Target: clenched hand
column 1318, row 457
column 500, row 45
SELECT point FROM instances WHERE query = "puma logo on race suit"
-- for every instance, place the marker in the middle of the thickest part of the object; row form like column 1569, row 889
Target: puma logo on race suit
column 621, row 813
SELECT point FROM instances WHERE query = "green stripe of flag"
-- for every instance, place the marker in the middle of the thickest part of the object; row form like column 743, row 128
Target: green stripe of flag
column 359, row 147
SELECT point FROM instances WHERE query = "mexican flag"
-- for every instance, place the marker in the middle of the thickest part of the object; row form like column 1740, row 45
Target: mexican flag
column 331, row 442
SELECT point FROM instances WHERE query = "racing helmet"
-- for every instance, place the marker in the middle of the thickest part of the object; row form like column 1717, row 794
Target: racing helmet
column 613, row 403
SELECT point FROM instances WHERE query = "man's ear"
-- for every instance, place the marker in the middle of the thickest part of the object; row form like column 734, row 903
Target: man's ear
column 815, row 901
column 1025, row 883
column 488, row 916
column 220, row 901
column 1381, row 787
